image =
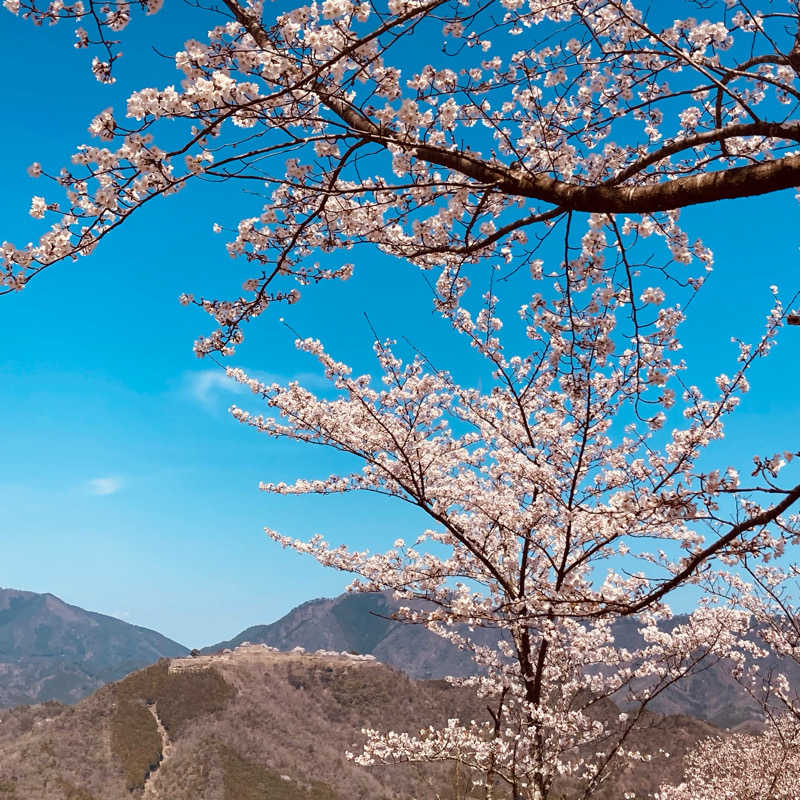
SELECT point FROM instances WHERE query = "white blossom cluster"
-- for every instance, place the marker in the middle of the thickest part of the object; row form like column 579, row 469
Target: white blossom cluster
column 744, row 767
column 536, row 111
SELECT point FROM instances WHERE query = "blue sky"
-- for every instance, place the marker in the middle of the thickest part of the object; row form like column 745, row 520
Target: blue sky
column 125, row 487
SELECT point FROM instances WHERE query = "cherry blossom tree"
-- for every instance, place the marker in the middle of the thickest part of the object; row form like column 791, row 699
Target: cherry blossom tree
column 764, row 766
column 573, row 490
column 557, row 507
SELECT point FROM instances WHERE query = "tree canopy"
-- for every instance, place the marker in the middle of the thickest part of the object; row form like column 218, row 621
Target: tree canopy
column 529, row 114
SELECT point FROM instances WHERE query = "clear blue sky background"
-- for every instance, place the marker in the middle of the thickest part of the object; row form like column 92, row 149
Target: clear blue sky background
column 125, row 487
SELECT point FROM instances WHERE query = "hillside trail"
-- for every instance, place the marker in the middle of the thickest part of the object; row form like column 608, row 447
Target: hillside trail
column 151, row 784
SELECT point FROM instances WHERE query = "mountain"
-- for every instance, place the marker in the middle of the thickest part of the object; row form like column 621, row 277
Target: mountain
column 362, row 623
column 254, row 723
column 50, row 650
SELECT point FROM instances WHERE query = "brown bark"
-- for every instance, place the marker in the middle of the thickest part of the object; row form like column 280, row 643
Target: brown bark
column 607, row 198
column 706, row 187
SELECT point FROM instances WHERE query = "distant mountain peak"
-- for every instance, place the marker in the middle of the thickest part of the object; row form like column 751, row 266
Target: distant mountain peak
column 361, row 622
column 51, row 650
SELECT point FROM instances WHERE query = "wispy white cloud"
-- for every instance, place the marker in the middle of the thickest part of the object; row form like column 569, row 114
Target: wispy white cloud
column 206, row 386
column 209, row 387
column 105, row 486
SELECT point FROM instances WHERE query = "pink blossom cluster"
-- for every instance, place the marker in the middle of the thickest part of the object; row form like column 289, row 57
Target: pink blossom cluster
column 744, row 766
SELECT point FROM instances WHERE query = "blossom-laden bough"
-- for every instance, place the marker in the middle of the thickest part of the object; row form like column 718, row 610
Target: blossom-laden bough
column 532, row 112
column 744, row 766
column 555, row 510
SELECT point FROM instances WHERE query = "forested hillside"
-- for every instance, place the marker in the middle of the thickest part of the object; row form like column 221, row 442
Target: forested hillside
column 255, row 723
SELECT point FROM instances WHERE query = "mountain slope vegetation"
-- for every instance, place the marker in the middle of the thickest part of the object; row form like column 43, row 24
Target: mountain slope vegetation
column 253, row 723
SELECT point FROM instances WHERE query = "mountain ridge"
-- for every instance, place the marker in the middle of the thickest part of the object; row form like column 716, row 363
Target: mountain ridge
column 361, row 622
column 52, row 650
column 709, row 692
